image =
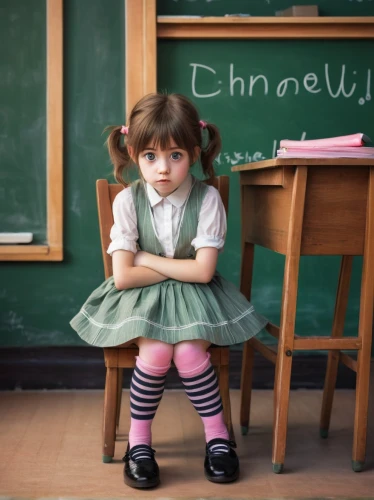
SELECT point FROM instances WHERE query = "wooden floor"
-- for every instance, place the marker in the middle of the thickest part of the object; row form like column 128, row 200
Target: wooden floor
column 51, row 447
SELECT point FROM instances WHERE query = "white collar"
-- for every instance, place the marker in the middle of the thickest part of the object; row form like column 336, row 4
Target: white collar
column 176, row 198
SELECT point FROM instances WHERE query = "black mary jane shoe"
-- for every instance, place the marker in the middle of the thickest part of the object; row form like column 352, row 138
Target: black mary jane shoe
column 221, row 463
column 141, row 472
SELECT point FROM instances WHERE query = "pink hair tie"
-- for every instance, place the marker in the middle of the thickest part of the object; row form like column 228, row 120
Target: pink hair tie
column 124, row 130
column 202, row 124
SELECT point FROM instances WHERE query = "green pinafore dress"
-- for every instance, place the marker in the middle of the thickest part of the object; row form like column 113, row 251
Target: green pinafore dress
column 172, row 310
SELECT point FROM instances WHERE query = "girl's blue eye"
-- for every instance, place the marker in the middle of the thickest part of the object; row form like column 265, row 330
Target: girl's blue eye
column 150, row 156
column 176, row 156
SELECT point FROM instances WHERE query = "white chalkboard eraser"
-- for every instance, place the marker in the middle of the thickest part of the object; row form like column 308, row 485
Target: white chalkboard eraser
column 14, row 238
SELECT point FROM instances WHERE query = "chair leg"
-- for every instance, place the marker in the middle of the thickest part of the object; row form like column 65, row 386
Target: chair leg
column 246, row 386
column 365, row 334
column 337, row 331
column 119, row 396
column 223, row 380
column 109, row 416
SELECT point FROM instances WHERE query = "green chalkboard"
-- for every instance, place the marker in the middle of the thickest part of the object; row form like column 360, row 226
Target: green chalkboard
column 23, row 117
column 38, row 299
column 262, row 7
column 259, row 92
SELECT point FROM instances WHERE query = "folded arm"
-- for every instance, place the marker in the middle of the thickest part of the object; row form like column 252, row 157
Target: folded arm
column 128, row 275
column 199, row 270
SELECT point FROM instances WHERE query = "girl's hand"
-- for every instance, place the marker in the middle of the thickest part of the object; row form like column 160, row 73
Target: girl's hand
column 199, row 270
column 128, row 274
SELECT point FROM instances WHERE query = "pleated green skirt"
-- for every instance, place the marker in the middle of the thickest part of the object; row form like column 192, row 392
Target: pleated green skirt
column 170, row 311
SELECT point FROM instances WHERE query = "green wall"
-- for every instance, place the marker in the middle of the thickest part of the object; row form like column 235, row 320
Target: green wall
column 37, row 300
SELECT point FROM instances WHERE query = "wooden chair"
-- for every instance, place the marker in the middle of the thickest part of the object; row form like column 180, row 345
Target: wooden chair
column 118, row 358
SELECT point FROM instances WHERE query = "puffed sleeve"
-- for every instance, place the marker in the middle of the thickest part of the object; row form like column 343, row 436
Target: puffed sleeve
column 124, row 232
column 211, row 230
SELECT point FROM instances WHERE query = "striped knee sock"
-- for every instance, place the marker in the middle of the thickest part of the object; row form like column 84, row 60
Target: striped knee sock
column 203, row 392
column 147, row 387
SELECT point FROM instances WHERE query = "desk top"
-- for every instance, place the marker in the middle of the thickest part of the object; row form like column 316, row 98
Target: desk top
column 331, row 194
column 312, row 162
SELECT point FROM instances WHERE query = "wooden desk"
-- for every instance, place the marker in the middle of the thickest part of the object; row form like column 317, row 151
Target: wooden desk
column 310, row 207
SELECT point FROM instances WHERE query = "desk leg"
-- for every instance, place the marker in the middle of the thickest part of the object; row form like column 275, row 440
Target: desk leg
column 248, row 351
column 287, row 324
column 365, row 334
column 337, row 331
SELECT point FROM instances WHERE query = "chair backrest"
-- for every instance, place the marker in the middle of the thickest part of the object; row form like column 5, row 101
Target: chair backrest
column 105, row 194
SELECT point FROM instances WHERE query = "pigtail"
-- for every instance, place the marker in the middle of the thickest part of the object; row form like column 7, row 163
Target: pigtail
column 118, row 153
column 211, row 150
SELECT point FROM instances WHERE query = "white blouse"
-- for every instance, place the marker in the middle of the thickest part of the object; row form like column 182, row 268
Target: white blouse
column 211, row 229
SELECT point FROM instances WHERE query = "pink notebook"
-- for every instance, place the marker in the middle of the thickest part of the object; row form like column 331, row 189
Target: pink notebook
column 353, row 140
column 333, row 152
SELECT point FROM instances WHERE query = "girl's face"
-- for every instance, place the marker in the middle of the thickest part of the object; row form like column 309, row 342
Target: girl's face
column 165, row 170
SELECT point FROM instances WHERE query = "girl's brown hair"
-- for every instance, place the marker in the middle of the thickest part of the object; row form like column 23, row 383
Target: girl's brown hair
column 154, row 121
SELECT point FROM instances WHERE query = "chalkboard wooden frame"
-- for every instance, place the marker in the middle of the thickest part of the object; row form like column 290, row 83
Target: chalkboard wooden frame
column 141, row 50
column 143, row 28
column 53, row 249
column 265, row 27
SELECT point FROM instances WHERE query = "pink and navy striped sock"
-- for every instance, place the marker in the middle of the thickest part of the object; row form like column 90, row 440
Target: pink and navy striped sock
column 146, row 390
column 202, row 390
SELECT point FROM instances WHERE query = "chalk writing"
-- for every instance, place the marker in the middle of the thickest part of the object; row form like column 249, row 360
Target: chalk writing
column 14, row 321
column 232, row 158
column 260, row 84
column 236, row 158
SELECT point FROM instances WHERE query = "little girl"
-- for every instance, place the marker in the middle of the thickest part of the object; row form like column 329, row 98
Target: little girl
column 165, row 294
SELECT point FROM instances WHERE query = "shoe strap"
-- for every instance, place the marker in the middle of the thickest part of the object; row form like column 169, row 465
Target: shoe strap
column 225, row 442
column 144, row 452
column 219, row 447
